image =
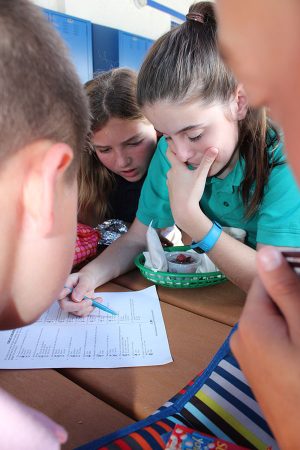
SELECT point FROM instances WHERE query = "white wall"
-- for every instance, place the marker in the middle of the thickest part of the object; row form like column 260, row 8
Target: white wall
column 121, row 14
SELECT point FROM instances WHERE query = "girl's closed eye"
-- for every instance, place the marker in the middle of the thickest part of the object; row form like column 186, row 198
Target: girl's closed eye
column 102, row 149
column 195, row 138
column 134, row 144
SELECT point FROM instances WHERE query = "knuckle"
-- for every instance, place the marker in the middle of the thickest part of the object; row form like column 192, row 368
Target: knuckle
column 204, row 168
column 285, row 286
column 208, row 160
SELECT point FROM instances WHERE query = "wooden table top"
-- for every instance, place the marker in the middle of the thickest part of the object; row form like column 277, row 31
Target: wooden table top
column 222, row 302
column 139, row 391
column 84, row 416
column 90, row 403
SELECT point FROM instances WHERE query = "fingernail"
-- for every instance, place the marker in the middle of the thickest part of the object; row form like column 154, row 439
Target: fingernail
column 270, row 258
column 213, row 151
column 77, row 297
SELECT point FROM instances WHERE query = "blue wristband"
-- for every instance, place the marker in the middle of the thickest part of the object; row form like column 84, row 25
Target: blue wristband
column 208, row 242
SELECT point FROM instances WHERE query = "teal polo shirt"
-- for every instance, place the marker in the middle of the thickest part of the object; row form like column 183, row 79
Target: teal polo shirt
column 277, row 221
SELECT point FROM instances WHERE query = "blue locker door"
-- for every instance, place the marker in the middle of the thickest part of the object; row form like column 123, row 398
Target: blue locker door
column 132, row 50
column 105, row 48
column 77, row 35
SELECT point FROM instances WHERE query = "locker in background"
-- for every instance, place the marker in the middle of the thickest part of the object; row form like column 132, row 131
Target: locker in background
column 105, row 48
column 77, row 35
column 115, row 48
column 132, row 50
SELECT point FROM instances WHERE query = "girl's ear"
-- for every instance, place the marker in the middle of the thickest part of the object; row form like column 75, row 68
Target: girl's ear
column 241, row 102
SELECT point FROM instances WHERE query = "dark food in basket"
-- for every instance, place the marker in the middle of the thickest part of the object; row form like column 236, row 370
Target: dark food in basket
column 183, row 259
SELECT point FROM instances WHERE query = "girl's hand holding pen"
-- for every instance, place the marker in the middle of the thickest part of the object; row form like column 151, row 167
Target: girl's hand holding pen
column 77, row 286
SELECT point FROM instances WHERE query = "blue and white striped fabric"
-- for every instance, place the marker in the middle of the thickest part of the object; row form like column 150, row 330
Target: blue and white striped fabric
column 225, row 406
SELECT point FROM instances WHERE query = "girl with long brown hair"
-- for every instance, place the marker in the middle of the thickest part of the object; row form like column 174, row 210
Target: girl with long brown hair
column 120, row 147
column 219, row 163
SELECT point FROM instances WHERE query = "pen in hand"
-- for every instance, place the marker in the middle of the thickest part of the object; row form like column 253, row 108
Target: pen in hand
column 96, row 304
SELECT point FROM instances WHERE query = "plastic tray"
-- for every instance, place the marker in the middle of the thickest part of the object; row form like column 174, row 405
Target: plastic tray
column 178, row 280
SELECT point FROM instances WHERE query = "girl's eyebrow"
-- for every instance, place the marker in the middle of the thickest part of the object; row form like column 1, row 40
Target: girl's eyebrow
column 136, row 136
column 189, row 127
column 100, row 146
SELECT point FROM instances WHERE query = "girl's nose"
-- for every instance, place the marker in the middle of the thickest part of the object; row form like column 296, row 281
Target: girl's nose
column 183, row 151
column 124, row 160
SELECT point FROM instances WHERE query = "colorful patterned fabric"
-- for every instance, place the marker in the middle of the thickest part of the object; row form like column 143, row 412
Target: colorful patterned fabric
column 217, row 402
column 86, row 243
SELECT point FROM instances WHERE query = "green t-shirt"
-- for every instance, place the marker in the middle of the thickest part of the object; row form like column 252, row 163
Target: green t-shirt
column 277, row 221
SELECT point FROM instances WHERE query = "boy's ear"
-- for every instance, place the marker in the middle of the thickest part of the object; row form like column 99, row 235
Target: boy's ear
column 241, row 102
column 41, row 190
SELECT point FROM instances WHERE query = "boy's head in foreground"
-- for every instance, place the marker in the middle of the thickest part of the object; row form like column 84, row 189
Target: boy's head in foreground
column 43, row 124
column 261, row 43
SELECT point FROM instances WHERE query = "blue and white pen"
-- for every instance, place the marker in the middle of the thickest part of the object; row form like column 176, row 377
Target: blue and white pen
column 96, row 304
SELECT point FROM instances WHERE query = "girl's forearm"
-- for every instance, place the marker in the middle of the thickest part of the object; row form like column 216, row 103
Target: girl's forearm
column 116, row 259
column 235, row 259
column 119, row 257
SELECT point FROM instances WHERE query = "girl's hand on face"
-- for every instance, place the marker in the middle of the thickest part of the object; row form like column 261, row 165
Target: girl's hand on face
column 186, row 186
column 71, row 298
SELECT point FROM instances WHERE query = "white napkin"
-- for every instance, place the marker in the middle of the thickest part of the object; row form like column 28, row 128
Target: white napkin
column 173, row 234
column 206, row 265
column 237, row 233
column 155, row 258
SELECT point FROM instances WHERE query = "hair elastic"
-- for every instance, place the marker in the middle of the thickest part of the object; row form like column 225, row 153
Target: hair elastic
column 195, row 16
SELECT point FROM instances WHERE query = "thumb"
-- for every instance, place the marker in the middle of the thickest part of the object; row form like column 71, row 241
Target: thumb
column 282, row 285
column 81, row 289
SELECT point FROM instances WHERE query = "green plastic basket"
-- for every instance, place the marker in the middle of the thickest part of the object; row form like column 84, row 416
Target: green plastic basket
column 178, row 280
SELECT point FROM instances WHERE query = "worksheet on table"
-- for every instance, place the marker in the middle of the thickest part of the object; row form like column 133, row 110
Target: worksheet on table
column 135, row 337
